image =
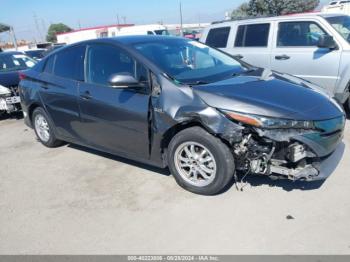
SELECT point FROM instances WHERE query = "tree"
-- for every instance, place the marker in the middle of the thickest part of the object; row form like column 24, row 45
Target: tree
column 55, row 29
column 256, row 8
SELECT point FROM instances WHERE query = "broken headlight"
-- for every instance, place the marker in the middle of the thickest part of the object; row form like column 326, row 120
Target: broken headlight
column 268, row 122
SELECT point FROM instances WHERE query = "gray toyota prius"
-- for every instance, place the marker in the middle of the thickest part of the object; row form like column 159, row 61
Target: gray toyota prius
column 176, row 103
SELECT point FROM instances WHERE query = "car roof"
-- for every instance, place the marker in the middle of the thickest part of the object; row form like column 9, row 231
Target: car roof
column 10, row 53
column 131, row 40
column 276, row 18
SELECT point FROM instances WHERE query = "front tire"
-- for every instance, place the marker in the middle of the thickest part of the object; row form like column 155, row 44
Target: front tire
column 44, row 128
column 200, row 162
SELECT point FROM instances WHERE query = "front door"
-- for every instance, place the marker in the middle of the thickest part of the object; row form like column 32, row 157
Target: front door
column 112, row 119
column 295, row 52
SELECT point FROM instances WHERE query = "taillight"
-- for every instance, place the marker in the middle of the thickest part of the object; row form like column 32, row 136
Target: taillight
column 22, row 76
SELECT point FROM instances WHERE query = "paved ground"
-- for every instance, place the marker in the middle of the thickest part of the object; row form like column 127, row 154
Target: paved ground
column 75, row 201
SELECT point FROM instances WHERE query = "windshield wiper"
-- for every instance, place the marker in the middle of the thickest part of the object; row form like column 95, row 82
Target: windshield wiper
column 197, row 83
column 244, row 72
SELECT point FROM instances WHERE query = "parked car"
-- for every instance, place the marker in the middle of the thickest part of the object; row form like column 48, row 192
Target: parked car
column 315, row 47
column 175, row 102
column 36, row 54
column 52, row 49
column 11, row 64
column 337, row 7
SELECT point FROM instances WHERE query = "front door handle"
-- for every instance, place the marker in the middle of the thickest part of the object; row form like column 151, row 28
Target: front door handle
column 86, row 95
column 282, row 57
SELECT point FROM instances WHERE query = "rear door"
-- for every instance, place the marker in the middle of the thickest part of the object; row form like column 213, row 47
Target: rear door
column 295, row 52
column 58, row 89
column 115, row 120
column 252, row 44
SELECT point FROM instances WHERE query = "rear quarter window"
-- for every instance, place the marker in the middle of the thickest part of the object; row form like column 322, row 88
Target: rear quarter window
column 48, row 68
column 217, row 37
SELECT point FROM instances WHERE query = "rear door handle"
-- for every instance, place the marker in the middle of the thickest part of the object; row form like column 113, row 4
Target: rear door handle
column 86, row 95
column 282, row 57
column 44, row 86
column 239, row 56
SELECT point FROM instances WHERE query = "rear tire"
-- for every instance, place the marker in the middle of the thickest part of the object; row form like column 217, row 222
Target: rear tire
column 200, row 162
column 44, row 129
column 347, row 108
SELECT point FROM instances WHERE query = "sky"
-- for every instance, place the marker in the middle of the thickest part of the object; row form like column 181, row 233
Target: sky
column 31, row 19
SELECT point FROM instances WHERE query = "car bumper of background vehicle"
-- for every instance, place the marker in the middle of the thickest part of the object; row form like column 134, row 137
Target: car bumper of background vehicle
column 10, row 104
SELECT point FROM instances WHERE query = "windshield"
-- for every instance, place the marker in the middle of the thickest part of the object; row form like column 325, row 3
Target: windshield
column 190, row 62
column 342, row 25
column 161, row 32
column 36, row 54
column 15, row 62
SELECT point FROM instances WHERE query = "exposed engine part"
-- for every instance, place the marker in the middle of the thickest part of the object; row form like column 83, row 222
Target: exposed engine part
column 300, row 173
column 241, row 148
column 257, row 155
column 260, row 165
column 296, row 152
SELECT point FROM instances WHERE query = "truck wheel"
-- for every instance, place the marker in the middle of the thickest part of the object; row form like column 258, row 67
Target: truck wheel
column 200, row 162
column 44, row 128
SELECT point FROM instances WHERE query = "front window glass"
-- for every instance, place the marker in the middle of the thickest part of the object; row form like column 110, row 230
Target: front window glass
column 190, row 61
column 15, row 62
column 299, row 34
column 105, row 61
column 342, row 25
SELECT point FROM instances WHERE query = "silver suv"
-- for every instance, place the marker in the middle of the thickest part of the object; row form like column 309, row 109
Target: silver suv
column 314, row 46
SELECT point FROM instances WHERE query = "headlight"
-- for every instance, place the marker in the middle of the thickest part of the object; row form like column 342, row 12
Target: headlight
column 268, row 122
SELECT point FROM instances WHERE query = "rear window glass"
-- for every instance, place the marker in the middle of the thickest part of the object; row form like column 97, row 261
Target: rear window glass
column 217, row 37
column 49, row 65
column 69, row 63
column 256, row 35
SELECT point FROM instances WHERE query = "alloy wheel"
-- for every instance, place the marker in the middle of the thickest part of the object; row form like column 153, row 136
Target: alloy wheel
column 42, row 127
column 195, row 164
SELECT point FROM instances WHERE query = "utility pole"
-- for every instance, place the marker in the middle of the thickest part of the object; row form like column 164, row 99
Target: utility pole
column 43, row 24
column 13, row 36
column 181, row 24
column 37, row 26
column 124, row 19
column 118, row 21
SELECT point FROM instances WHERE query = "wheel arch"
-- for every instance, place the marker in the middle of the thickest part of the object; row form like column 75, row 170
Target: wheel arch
column 31, row 109
column 174, row 130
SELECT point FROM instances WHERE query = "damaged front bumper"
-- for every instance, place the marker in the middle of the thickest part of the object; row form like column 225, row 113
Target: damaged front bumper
column 292, row 154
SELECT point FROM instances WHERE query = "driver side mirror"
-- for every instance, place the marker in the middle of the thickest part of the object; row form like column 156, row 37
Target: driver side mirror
column 327, row 41
column 123, row 80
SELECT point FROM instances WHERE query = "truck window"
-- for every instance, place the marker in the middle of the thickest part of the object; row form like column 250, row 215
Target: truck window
column 299, row 34
column 256, row 35
column 217, row 37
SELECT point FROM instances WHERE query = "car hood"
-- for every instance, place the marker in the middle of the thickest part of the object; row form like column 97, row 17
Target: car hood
column 9, row 78
column 272, row 94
